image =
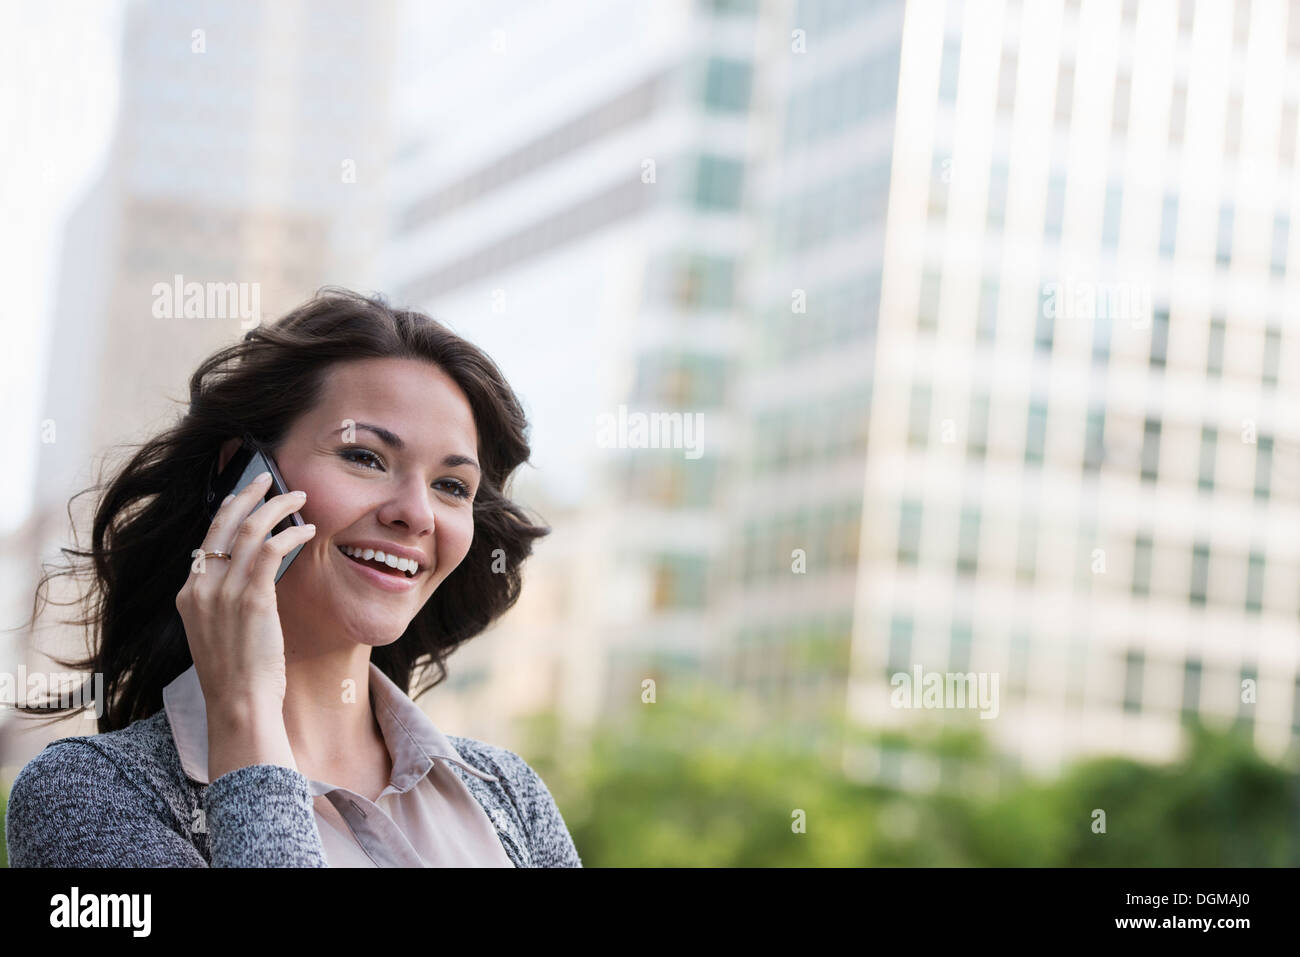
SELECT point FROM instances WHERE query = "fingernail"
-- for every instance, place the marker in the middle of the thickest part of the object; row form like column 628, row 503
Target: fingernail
column 264, row 477
column 310, row 527
column 228, row 499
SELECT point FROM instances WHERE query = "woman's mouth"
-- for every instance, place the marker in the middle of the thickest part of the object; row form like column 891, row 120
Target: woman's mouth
column 379, row 573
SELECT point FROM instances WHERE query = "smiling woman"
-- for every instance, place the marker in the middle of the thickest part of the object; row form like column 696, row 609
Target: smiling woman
column 274, row 717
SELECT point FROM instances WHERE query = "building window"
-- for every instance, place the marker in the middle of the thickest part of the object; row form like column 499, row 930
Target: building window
column 1214, row 358
column 909, row 533
column 1150, row 449
column 1295, row 708
column 1159, row 337
column 1027, row 549
column 1263, row 466
column 727, row 85
column 1094, row 447
column 1018, row 679
column 927, row 318
column 1272, row 355
column 1209, row 443
column 1036, row 433
column 705, row 282
column 948, row 70
column 900, row 646
column 679, row 581
column 940, row 174
column 977, row 443
column 718, row 183
column 1043, row 322
column 1110, row 218
column 1142, row 564
column 1168, row 225
column 1191, row 687
column 918, row 434
column 1200, row 574
column 1101, row 338
column 1281, row 235
column 968, row 542
column 1255, row 583
column 1223, row 244
column 1246, row 709
column 730, row 7
column 959, row 651
column 1133, row 682
column 986, row 329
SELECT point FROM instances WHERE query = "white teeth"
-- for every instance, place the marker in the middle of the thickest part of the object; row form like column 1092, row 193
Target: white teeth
column 392, row 561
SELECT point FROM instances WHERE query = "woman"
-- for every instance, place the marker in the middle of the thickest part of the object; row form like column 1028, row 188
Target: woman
column 250, row 722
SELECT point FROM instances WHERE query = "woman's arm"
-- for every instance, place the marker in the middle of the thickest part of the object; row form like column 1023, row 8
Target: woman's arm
column 549, row 840
column 72, row 806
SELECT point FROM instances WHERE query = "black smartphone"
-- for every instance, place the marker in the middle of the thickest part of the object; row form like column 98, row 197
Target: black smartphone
column 249, row 461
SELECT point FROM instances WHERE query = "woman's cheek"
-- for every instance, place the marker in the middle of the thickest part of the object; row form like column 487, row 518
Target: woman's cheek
column 465, row 538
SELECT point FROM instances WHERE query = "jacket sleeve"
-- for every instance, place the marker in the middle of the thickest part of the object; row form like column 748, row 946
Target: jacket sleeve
column 549, row 840
column 261, row 815
column 72, row 806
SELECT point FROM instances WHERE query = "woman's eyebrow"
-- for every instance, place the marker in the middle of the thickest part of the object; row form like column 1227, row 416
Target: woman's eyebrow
column 395, row 441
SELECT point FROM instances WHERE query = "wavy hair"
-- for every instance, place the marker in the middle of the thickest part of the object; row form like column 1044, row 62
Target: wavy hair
column 153, row 509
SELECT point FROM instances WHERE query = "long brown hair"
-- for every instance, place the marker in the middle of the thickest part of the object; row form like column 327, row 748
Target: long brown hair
column 153, row 510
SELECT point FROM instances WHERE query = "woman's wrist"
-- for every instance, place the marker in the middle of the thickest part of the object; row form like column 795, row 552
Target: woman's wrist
column 238, row 739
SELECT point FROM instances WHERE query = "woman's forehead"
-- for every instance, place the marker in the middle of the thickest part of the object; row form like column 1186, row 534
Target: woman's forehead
column 397, row 400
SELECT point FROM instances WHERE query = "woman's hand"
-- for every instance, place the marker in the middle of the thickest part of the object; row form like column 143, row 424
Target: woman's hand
column 232, row 625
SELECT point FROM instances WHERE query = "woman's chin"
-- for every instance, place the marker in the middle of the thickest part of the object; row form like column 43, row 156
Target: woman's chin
column 368, row 631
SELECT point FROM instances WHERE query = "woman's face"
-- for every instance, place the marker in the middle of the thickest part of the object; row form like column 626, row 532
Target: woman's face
column 364, row 491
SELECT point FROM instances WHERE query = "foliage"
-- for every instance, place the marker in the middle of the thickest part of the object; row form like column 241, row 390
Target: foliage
column 702, row 783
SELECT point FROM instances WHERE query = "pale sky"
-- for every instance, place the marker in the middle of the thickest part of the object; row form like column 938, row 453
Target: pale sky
column 58, row 103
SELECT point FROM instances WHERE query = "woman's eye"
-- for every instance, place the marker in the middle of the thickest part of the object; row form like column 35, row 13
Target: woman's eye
column 349, row 453
column 362, row 456
column 459, row 489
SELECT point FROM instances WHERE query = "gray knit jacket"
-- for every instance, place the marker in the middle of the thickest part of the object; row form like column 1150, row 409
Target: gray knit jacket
column 121, row 799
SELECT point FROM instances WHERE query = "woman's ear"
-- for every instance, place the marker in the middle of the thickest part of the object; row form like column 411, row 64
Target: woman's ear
column 228, row 449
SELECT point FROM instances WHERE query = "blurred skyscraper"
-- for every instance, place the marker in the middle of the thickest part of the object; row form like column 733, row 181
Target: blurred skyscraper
column 1035, row 253
column 586, row 225
column 249, row 149
column 811, row 289
column 1081, row 473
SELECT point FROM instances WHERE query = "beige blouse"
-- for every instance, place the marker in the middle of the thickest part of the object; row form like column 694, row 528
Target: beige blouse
column 426, row 817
